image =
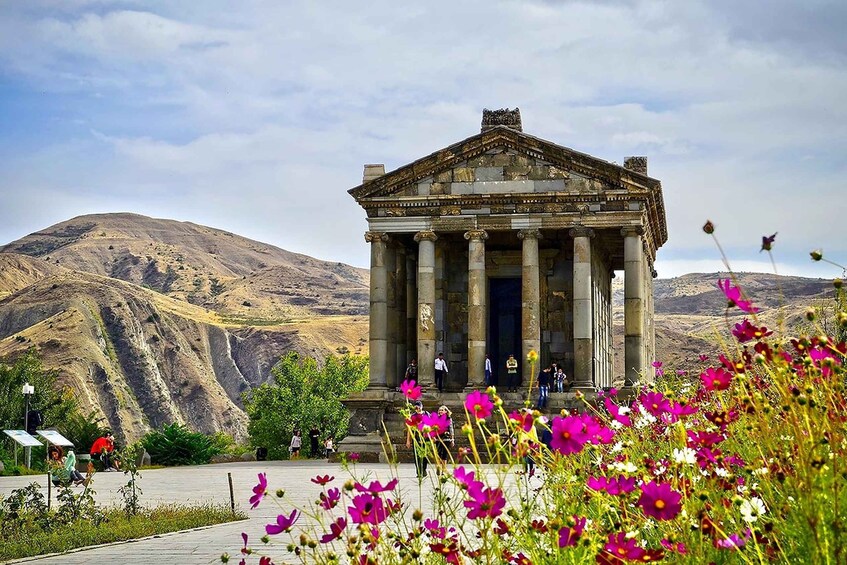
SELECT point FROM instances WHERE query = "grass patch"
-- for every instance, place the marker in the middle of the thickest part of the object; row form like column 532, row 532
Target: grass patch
column 116, row 526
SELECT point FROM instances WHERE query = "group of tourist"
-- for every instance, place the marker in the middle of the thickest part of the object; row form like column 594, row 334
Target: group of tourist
column 552, row 377
column 315, row 449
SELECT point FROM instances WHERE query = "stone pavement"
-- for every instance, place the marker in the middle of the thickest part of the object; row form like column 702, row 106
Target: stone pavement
column 208, row 483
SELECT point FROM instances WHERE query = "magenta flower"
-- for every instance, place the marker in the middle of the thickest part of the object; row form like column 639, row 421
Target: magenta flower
column 435, row 528
column 376, row 487
column 367, row 509
column 658, row 366
column 259, row 491
column 485, row 503
column 410, row 390
column 464, row 477
column 745, row 331
column 678, row 547
column 322, row 480
column 734, row 541
column 716, row 379
column 283, row 523
column 335, row 530
column 655, row 403
column 660, row 501
column 478, row 404
column 523, row 419
column 330, row 500
column 733, row 296
column 613, row 486
column 569, row 535
column 244, row 549
column 568, row 435
column 433, row 425
column 353, row 457
column 767, row 242
column 680, row 409
column 619, row 548
column 703, row 358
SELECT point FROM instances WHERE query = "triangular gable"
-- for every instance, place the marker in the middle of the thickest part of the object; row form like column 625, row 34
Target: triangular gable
column 538, row 150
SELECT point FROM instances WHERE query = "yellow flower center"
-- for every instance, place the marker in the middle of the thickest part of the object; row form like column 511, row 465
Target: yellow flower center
column 660, row 504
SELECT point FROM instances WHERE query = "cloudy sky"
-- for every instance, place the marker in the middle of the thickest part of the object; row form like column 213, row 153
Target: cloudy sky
column 257, row 116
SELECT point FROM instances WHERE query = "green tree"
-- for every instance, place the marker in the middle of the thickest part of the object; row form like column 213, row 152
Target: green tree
column 301, row 395
column 55, row 403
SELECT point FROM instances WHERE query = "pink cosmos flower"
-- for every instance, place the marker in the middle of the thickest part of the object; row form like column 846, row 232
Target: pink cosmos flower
column 433, row 425
column 716, row 379
column 660, row 501
column 464, row 477
column 823, row 360
column 322, row 480
column 478, row 404
column 767, row 242
column 335, row 530
column 283, row 523
column 259, row 491
column 353, row 457
column 682, row 409
column 733, row 296
column 523, row 419
column 410, row 389
column 568, row 435
column 619, row 548
column 376, row 487
column 367, row 509
column 485, row 503
column 703, row 358
column 435, row 529
column 569, row 536
column 745, row 331
column 734, row 541
column 655, row 403
column 330, row 500
column 613, row 486
column 658, row 366
column 678, row 547
column 244, row 549
column 265, row 560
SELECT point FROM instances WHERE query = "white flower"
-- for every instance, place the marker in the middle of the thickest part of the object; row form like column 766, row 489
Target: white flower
column 660, row 470
column 685, row 455
column 760, row 471
column 624, row 467
column 615, row 425
column 623, row 410
column 617, row 447
column 721, row 472
column 752, row 509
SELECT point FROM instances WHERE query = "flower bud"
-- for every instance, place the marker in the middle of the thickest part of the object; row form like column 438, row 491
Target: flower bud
column 225, row 558
column 709, row 227
column 417, row 515
column 841, row 317
column 280, row 493
column 817, row 255
column 837, row 283
column 810, row 314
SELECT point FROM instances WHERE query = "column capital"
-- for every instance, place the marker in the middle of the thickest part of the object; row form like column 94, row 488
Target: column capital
column 426, row 235
column 529, row 234
column 376, row 236
column 476, row 235
column 581, row 231
column 628, row 231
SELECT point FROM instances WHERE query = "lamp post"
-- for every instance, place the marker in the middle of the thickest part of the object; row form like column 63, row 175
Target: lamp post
column 28, row 391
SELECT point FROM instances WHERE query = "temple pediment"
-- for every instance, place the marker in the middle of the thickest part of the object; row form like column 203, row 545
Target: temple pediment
column 501, row 160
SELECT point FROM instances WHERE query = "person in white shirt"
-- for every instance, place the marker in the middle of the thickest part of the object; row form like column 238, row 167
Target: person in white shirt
column 440, row 371
column 488, row 375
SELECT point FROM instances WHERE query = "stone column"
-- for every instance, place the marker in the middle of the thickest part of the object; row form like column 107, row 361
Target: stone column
column 378, row 331
column 530, row 299
column 476, row 308
column 411, row 309
column 400, row 314
column 633, row 259
column 583, row 334
column 391, row 316
column 426, row 308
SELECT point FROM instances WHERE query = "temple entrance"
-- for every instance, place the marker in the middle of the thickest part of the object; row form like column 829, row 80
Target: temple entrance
column 504, row 325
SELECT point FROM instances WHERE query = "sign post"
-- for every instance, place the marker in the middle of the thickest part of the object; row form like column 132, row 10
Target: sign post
column 28, row 391
column 22, row 438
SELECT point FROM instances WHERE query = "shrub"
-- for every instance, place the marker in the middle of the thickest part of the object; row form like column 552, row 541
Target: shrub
column 82, row 429
column 175, row 444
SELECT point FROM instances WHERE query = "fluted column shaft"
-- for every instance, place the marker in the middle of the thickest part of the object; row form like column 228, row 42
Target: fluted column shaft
column 633, row 258
column 392, row 319
column 530, row 299
column 378, row 330
column 426, row 308
column 583, row 330
column 476, row 308
column 400, row 315
column 411, row 309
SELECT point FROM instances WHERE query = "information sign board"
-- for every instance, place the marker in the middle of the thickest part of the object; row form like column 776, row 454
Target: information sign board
column 55, row 438
column 23, row 438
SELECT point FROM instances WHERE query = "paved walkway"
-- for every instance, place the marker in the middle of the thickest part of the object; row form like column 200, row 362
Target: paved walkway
column 208, row 483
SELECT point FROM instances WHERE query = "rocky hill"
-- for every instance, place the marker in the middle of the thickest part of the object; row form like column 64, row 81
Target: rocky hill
column 152, row 321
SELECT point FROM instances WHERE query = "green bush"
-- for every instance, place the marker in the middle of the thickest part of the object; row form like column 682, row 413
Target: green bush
column 177, row 445
column 82, row 429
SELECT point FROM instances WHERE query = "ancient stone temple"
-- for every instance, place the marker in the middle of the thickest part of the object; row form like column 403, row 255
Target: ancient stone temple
column 504, row 243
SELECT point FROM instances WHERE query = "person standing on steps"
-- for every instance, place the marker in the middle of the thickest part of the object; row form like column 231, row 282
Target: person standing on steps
column 544, row 379
column 296, row 442
column 489, row 376
column 512, row 373
column 411, row 372
column 440, row 371
column 314, row 442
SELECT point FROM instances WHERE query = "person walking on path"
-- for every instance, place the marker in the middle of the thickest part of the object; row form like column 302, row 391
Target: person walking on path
column 440, row 371
column 512, row 373
column 314, row 442
column 445, row 440
column 544, row 387
column 416, row 440
column 489, row 376
column 296, row 442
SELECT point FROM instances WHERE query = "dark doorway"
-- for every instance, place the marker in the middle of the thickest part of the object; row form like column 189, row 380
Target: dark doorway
column 504, row 325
